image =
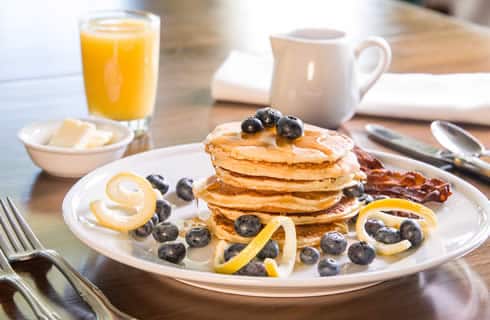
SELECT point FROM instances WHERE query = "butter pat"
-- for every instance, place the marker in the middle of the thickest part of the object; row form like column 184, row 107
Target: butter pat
column 78, row 134
column 73, row 134
column 99, row 138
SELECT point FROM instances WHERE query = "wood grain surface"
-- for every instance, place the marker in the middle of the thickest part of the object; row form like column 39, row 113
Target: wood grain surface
column 40, row 78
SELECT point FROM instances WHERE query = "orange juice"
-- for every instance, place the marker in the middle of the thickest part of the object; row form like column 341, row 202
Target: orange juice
column 120, row 66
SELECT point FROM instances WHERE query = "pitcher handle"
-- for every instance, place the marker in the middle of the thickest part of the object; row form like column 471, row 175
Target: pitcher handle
column 383, row 62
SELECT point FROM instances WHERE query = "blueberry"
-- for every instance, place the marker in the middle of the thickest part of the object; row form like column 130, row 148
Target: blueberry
column 155, row 219
column 270, row 250
column 165, row 231
column 354, row 191
column 410, row 230
column 172, row 252
column 366, row 198
column 198, row 237
column 163, row 210
column 290, row 127
column 361, row 253
column 373, row 225
column 143, row 231
column 252, row 125
column 254, row 269
column 233, row 250
column 387, row 235
column 328, row 267
column 333, row 242
column 184, row 189
column 268, row 116
column 158, row 182
column 247, row 225
column 309, row 255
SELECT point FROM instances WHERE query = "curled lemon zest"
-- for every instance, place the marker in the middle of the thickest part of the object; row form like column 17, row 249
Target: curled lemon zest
column 427, row 221
column 145, row 207
column 253, row 248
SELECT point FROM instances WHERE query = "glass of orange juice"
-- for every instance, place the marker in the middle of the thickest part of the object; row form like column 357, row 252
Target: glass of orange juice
column 120, row 52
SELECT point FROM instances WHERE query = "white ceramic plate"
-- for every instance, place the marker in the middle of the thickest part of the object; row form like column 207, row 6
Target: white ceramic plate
column 463, row 226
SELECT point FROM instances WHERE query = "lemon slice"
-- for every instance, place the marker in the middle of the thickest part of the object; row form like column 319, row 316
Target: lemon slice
column 145, row 206
column 252, row 249
column 427, row 221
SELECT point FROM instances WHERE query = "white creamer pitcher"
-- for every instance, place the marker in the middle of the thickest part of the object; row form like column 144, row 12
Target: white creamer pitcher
column 316, row 75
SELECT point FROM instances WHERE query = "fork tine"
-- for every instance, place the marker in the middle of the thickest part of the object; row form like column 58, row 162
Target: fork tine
column 15, row 227
column 14, row 242
column 4, row 263
column 5, row 247
column 25, row 226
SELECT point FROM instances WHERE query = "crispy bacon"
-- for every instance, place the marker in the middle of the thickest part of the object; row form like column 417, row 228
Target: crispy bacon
column 407, row 185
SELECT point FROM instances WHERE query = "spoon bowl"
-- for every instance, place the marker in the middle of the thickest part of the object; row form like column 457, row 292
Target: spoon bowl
column 456, row 139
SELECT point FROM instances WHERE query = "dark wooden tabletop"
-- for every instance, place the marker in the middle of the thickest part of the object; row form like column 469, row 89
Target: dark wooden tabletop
column 40, row 78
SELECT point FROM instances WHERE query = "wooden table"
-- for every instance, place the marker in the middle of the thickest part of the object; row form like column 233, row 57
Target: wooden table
column 40, row 79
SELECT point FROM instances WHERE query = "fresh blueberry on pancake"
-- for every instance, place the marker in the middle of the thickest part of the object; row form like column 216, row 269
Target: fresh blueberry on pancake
column 248, row 225
column 163, row 210
column 253, row 269
column 270, row 250
column 184, row 189
column 366, row 198
column 172, row 252
column 252, row 125
column 158, row 182
column 144, row 231
column 333, row 243
column 361, row 253
column 268, row 116
column 154, row 219
column 309, row 255
column 387, row 235
column 198, row 237
column 373, row 225
column 290, row 127
column 233, row 250
column 328, row 267
column 356, row 190
column 165, row 231
column 410, row 230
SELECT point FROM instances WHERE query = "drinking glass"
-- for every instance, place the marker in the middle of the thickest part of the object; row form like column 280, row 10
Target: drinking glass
column 120, row 51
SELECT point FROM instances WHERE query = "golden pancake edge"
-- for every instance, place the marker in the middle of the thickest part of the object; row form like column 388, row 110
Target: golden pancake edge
column 217, row 193
column 317, row 145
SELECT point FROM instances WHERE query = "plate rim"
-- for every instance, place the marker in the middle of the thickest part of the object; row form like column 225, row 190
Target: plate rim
column 209, row 277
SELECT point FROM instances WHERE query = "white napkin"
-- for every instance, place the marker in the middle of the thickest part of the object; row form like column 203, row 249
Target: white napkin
column 246, row 78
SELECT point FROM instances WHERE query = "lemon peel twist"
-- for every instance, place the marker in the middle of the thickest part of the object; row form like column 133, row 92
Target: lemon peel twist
column 143, row 200
column 427, row 221
column 287, row 259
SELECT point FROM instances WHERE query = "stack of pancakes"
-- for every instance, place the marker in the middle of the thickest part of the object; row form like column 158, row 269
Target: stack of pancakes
column 266, row 175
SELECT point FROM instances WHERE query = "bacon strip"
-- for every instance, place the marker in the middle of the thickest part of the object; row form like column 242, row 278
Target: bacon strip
column 407, row 185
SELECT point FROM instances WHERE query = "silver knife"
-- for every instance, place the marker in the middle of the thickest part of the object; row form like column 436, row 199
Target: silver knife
column 422, row 150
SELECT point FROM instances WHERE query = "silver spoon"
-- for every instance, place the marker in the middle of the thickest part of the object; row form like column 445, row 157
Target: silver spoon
column 465, row 147
column 457, row 140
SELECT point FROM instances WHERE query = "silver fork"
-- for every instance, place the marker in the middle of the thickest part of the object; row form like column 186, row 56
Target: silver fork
column 25, row 246
column 8, row 274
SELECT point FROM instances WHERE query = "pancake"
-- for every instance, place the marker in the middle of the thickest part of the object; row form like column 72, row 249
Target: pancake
column 217, row 193
column 273, row 184
column 306, row 235
column 345, row 209
column 317, row 145
column 299, row 171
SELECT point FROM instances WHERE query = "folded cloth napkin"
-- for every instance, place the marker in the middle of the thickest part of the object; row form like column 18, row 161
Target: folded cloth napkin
column 246, row 78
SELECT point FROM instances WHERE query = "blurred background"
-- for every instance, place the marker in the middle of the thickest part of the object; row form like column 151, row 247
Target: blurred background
column 43, row 35
column 477, row 11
